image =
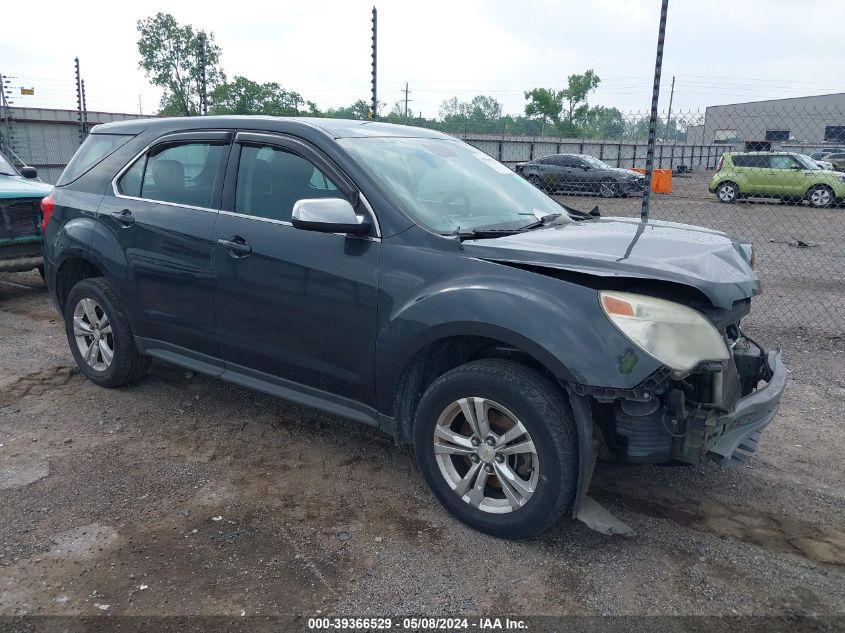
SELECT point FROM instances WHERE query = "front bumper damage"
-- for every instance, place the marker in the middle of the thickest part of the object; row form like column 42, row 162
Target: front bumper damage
column 716, row 413
column 661, row 421
column 731, row 437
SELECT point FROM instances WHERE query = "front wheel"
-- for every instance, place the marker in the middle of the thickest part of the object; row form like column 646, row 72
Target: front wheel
column 496, row 443
column 99, row 336
column 820, row 197
column 608, row 189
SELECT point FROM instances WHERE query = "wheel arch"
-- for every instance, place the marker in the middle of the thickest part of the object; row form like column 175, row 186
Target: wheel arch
column 450, row 345
column 440, row 355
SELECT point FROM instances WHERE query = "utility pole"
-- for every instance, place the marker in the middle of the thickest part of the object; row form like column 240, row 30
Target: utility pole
column 374, row 105
column 140, row 109
column 84, row 110
column 652, row 124
column 406, row 101
column 203, row 85
column 7, row 137
column 669, row 116
column 79, row 101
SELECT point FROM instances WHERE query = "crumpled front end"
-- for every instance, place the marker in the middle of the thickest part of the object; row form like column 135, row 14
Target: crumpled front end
column 717, row 412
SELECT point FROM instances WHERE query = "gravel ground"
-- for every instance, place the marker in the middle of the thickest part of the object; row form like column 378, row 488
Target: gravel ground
column 182, row 495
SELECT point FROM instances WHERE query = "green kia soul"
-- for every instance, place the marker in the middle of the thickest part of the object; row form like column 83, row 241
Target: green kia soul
column 781, row 175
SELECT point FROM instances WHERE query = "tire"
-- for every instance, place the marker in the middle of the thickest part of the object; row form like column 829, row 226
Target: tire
column 535, row 180
column 820, row 196
column 608, row 189
column 544, row 456
column 94, row 300
column 727, row 192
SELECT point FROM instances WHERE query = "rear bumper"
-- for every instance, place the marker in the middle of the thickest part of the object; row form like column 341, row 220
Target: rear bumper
column 734, row 435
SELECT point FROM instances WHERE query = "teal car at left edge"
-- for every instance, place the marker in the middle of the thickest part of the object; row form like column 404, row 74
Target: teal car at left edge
column 20, row 217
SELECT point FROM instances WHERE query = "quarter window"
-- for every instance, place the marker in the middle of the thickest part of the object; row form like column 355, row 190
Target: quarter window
column 271, row 180
column 751, row 160
column 181, row 174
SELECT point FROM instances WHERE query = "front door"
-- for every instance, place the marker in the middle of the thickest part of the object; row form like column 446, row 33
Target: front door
column 788, row 176
column 293, row 307
column 162, row 214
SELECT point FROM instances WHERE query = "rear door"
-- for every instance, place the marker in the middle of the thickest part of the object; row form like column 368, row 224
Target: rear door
column 163, row 213
column 751, row 172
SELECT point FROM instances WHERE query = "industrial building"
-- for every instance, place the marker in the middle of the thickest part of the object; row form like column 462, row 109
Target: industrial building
column 808, row 123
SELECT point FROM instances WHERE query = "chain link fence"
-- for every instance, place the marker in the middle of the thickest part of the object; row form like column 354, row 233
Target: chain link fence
column 772, row 176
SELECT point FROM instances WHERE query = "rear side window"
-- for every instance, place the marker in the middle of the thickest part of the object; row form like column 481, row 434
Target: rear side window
column 95, row 148
column 182, row 174
column 750, row 161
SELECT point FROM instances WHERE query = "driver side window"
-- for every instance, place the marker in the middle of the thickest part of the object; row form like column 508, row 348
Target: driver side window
column 782, row 162
column 272, row 179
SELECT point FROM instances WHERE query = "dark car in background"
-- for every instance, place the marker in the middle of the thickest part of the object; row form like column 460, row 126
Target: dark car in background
column 401, row 278
column 20, row 217
column 580, row 173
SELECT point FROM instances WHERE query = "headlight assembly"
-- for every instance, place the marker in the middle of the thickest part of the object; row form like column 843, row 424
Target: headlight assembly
column 674, row 334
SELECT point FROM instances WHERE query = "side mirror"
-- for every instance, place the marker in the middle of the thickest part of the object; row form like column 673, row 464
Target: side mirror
column 327, row 215
column 29, row 172
column 585, row 167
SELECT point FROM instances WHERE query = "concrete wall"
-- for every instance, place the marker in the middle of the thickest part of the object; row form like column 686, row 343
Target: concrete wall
column 47, row 139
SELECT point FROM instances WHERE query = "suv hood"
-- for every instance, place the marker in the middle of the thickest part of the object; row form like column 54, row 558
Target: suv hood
column 708, row 260
column 20, row 187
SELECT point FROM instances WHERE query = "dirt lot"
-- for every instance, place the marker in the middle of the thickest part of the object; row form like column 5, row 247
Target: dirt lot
column 184, row 495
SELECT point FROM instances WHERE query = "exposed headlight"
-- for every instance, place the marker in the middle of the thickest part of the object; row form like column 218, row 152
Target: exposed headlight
column 675, row 335
column 842, row 177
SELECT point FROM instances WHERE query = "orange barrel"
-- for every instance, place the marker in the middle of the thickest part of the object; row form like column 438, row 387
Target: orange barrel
column 661, row 179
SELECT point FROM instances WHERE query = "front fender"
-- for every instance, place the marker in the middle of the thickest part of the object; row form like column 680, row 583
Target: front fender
column 558, row 323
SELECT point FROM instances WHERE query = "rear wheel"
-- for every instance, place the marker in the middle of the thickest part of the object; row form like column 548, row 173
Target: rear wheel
column 820, row 196
column 99, row 336
column 727, row 192
column 496, row 443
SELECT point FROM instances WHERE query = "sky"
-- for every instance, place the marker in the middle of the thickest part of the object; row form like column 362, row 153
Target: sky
column 720, row 51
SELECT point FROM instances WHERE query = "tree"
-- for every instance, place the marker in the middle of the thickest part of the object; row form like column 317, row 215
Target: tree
column 360, row 110
column 545, row 103
column 244, row 96
column 576, row 91
column 551, row 104
column 170, row 57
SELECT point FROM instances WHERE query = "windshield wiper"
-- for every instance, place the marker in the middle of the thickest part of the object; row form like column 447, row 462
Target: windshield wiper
column 482, row 233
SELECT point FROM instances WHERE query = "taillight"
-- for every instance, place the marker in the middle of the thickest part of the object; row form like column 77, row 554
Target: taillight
column 48, row 204
column 719, row 164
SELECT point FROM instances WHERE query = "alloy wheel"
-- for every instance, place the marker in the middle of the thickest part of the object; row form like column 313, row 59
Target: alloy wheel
column 820, row 197
column 727, row 193
column 607, row 190
column 486, row 455
column 93, row 334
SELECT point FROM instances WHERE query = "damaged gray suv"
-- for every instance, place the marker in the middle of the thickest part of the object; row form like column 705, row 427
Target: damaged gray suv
column 401, row 278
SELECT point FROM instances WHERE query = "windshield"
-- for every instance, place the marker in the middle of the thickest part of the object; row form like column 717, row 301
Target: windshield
column 446, row 185
column 6, row 167
column 594, row 162
column 808, row 162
